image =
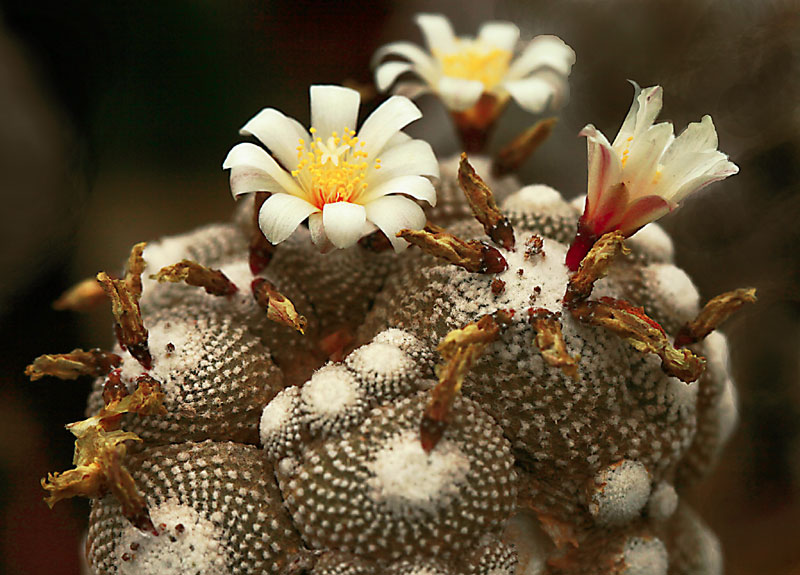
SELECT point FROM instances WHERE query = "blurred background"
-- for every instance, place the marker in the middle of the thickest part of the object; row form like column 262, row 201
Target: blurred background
column 115, row 118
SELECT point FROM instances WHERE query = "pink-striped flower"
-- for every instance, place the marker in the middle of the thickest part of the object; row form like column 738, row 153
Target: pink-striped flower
column 645, row 172
column 346, row 183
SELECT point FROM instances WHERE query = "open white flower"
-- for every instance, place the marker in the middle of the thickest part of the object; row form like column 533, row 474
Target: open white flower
column 346, row 184
column 462, row 69
column 645, row 172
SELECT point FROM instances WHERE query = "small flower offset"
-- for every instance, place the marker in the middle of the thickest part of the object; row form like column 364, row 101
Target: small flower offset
column 475, row 77
column 645, row 172
column 347, row 184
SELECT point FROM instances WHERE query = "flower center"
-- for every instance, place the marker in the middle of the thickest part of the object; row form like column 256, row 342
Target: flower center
column 335, row 170
column 476, row 61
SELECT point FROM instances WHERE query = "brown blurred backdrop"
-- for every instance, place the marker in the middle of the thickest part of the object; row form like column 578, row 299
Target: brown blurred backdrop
column 115, row 118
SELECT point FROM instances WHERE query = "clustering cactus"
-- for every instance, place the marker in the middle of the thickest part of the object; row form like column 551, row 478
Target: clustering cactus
column 473, row 405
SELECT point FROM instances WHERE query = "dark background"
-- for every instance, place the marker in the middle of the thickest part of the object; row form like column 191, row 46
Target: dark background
column 115, row 118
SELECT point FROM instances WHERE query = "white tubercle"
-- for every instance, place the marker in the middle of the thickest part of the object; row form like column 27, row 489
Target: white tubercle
column 546, row 270
column 538, row 199
column 408, row 481
column 663, row 502
column 277, row 414
column 645, row 556
column 620, row 492
column 331, row 390
column 532, row 544
column 676, row 288
column 653, row 241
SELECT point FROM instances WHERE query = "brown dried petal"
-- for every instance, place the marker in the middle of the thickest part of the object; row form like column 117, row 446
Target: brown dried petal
column 550, row 341
column 481, row 200
column 213, row 281
column 83, row 296
column 131, row 333
column 594, row 266
column 460, row 349
column 278, row 307
column 473, row 256
column 136, row 265
column 514, row 154
column 716, row 311
column 642, row 333
column 73, row 364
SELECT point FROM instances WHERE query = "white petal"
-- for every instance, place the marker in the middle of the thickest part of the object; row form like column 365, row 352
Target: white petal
column 247, row 154
column 422, row 62
column 697, row 137
column 390, row 117
column 459, row 94
column 502, row 35
column 343, row 223
column 333, row 108
column 247, row 179
column 639, row 170
column 532, row 94
column 277, row 132
column 414, row 186
column 644, row 109
column 318, row 236
column 281, row 214
column 388, row 72
column 414, row 158
column 604, row 165
column 394, row 213
column 438, row 32
column 719, row 171
column 542, row 52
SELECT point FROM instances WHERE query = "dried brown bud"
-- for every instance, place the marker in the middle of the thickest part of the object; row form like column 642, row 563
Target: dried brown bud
column 481, row 200
column 278, row 307
column 534, row 246
column 642, row 332
column 74, row 364
column 716, row 311
column 460, row 349
column 473, row 256
column 131, row 333
column 514, row 154
column 213, row 281
column 100, row 452
column 594, row 266
column 83, row 296
column 136, row 265
column 550, row 341
column 261, row 251
column 498, row 286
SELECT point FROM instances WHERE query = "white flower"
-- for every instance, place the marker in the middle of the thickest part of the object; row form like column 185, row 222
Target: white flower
column 646, row 172
column 461, row 70
column 346, row 184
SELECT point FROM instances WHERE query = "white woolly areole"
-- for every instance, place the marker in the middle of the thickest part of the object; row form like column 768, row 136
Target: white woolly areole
column 197, row 549
column 382, row 359
column 175, row 347
column 532, row 544
column 653, row 241
column 544, row 270
column 278, row 413
column 537, row 199
column 578, row 204
column 620, row 492
column 681, row 394
column 645, row 556
column 675, row 288
column 663, row 501
column 331, row 390
column 408, row 480
column 400, row 339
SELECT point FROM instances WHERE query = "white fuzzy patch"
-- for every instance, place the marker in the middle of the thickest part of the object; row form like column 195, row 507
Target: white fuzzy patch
column 728, row 412
column 653, row 241
column 382, row 359
column 676, row 289
column 537, row 199
column 198, row 546
column 578, row 204
column 408, row 480
column 331, row 390
column 532, row 544
column 645, row 557
column 278, row 413
column 663, row 502
column 620, row 492
column 717, row 355
column 682, row 395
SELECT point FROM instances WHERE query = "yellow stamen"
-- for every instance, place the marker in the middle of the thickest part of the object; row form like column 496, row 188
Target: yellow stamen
column 476, row 61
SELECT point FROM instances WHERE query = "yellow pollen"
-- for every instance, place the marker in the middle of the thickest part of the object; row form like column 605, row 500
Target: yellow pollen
column 337, row 168
column 476, row 61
